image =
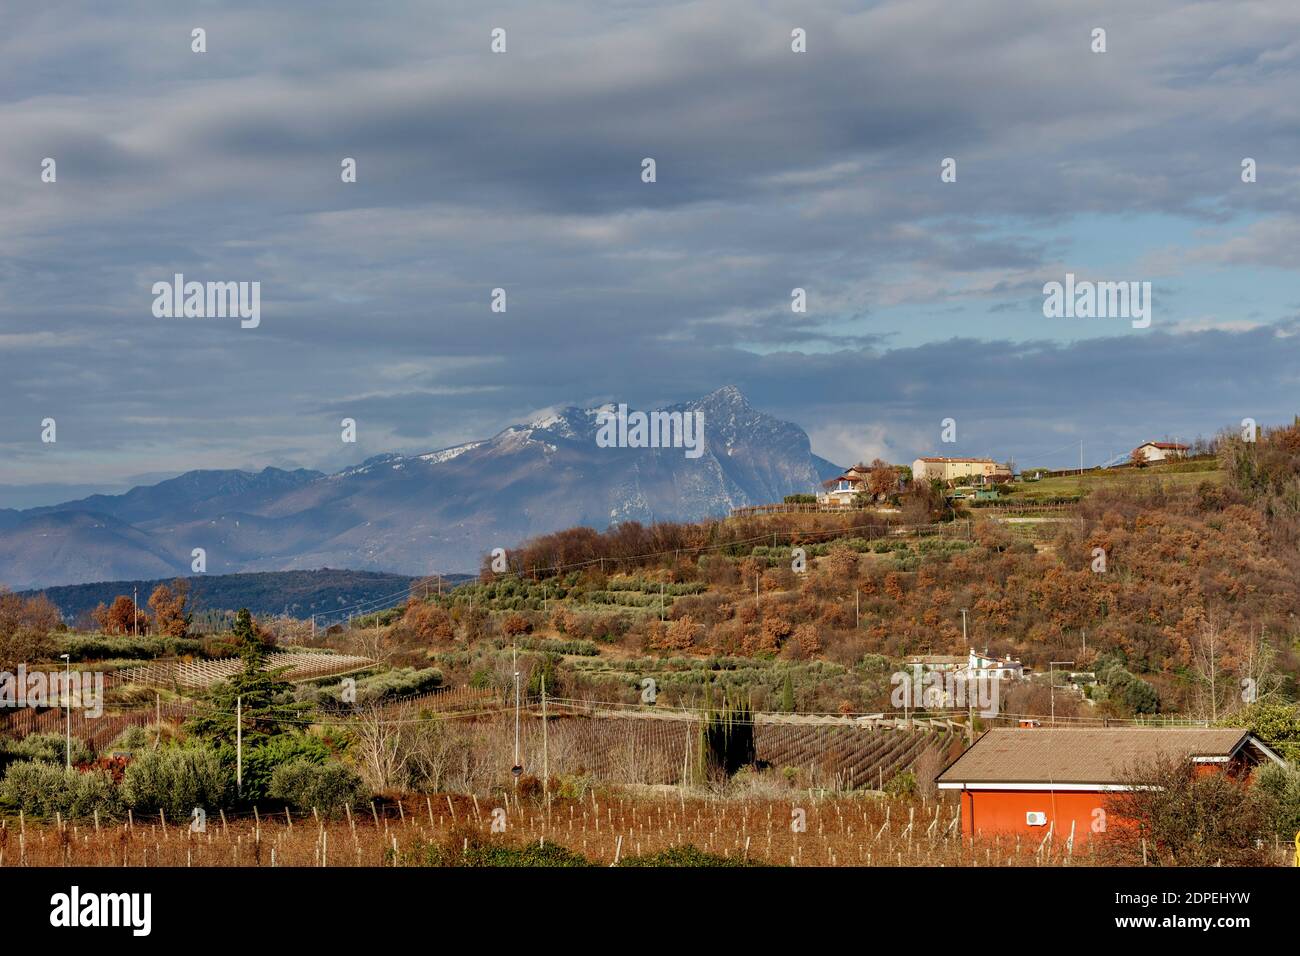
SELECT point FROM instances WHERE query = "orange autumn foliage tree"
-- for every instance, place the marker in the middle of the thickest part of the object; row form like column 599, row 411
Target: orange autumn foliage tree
column 120, row 617
column 168, row 605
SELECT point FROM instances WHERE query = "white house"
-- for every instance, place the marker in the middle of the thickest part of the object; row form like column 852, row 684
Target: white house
column 974, row 666
column 841, row 491
column 982, row 666
column 1159, row 451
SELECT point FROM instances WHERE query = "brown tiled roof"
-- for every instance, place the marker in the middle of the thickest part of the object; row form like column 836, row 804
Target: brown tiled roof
column 1082, row 755
column 986, row 461
column 1164, row 444
column 938, row 659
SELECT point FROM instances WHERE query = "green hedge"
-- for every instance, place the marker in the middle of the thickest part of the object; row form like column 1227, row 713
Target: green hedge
column 176, row 780
column 327, row 787
column 38, row 788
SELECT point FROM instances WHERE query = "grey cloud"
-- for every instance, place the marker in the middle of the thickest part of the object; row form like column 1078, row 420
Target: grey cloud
column 522, row 171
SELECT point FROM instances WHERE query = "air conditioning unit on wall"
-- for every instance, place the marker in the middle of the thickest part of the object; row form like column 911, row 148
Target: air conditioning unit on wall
column 1036, row 818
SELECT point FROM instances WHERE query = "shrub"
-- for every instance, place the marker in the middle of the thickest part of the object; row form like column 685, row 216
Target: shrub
column 44, row 789
column 133, row 739
column 1278, row 725
column 261, row 762
column 1281, row 786
column 688, row 855
column 399, row 682
column 87, row 647
column 1175, row 816
column 327, row 787
column 176, row 780
column 469, row 847
column 577, row 648
column 48, row 748
column 902, row 785
column 516, row 624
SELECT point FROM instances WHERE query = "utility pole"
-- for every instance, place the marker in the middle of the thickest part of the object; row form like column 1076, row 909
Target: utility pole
column 970, row 674
column 1051, row 678
column 1080, row 456
column 67, row 699
column 516, row 769
column 239, row 745
column 135, row 604
column 546, row 754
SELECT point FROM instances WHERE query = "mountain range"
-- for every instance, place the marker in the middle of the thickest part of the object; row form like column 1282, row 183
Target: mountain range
column 413, row 514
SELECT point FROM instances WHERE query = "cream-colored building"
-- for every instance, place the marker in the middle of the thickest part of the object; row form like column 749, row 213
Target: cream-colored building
column 1159, row 451
column 951, row 469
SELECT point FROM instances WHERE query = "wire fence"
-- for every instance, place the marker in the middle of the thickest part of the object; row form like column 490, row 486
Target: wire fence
column 201, row 674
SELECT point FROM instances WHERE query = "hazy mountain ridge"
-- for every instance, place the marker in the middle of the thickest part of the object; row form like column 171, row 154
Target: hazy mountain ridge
column 327, row 591
column 413, row 514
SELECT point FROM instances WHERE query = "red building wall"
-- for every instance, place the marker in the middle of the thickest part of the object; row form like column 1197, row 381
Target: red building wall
column 990, row 812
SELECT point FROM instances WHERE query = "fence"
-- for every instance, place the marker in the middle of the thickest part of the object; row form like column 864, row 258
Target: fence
column 97, row 732
column 197, row 675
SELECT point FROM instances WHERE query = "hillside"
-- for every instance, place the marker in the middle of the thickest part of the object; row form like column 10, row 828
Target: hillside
column 1199, row 590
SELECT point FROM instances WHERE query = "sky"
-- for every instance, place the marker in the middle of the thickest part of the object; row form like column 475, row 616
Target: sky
column 522, row 170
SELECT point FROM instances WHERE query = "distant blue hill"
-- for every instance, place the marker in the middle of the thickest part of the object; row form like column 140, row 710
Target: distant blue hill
column 327, row 591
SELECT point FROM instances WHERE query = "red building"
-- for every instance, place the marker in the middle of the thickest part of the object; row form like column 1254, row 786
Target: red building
column 1032, row 780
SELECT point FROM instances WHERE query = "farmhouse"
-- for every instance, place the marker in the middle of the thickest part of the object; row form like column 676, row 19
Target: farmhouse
column 1032, row 780
column 975, row 666
column 842, row 490
column 951, row 469
column 984, row 667
column 937, row 662
column 1159, row 451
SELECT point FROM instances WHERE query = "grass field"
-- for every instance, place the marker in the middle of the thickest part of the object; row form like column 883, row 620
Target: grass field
column 1175, row 475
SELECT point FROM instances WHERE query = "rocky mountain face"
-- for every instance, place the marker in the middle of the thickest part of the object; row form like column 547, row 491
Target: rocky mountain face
column 416, row 514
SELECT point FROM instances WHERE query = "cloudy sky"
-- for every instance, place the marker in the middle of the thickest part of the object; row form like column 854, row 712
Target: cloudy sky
column 522, row 170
